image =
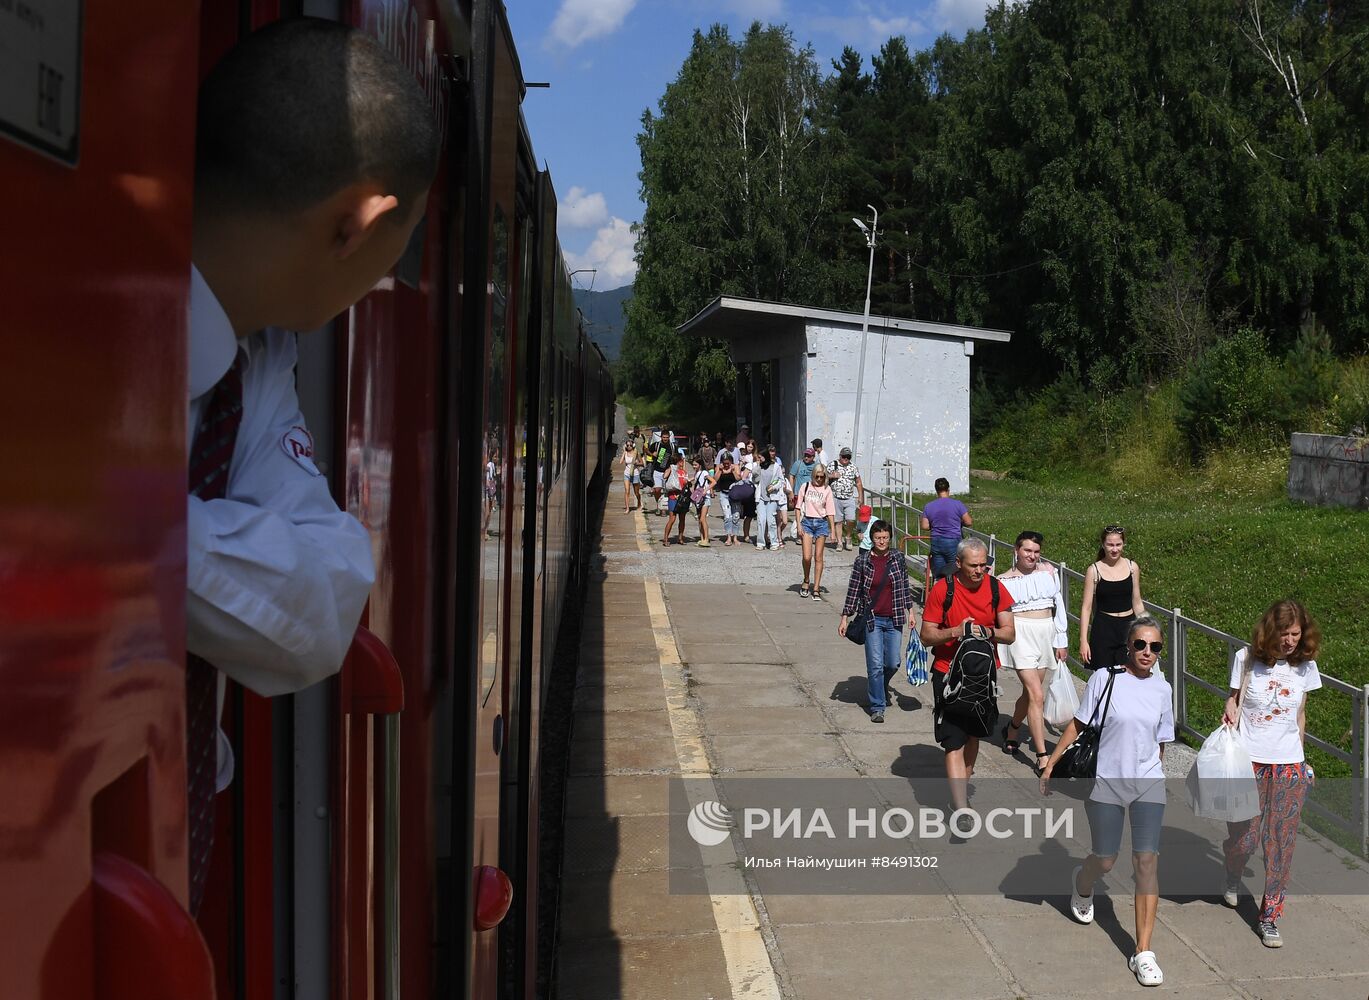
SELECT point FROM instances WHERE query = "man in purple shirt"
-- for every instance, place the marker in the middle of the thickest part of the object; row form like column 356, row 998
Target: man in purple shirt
column 944, row 516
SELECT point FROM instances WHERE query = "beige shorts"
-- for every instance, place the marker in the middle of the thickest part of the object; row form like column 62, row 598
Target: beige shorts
column 1034, row 647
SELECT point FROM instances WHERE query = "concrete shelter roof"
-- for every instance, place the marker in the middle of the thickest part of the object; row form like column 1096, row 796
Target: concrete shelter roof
column 729, row 317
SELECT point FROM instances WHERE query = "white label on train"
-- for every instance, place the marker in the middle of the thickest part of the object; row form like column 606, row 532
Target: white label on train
column 40, row 75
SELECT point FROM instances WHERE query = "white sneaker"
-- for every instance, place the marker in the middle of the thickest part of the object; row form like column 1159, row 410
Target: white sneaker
column 759, row 545
column 1081, row 907
column 1146, row 968
column 1231, row 891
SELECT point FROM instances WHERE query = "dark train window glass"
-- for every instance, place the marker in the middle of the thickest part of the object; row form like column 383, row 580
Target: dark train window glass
column 494, row 493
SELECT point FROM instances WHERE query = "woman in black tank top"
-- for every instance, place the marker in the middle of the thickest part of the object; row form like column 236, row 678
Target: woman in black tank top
column 727, row 476
column 1110, row 604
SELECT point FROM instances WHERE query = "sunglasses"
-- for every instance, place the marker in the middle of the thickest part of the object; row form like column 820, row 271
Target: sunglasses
column 1140, row 644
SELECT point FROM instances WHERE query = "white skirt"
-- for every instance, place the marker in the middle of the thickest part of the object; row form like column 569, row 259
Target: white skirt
column 1034, row 647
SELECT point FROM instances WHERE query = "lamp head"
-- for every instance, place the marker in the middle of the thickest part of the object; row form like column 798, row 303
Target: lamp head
column 863, row 227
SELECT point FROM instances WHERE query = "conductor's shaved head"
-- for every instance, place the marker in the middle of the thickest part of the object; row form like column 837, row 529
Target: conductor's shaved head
column 303, row 108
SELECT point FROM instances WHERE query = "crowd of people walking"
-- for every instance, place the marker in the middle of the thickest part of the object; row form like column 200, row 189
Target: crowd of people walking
column 762, row 501
column 1017, row 619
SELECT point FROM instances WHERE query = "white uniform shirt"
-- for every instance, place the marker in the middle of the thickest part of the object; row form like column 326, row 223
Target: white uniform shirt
column 277, row 576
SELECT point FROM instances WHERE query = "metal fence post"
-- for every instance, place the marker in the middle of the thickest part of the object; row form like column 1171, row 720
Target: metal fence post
column 1364, row 773
column 1176, row 661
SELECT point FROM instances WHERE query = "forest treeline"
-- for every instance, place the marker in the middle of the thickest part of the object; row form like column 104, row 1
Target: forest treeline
column 1126, row 186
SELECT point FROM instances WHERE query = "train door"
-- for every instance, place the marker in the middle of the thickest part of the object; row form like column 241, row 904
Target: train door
column 96, row 139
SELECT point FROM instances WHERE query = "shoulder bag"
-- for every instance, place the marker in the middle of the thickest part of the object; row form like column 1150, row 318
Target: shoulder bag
column 1080, row 760
column 700, row 491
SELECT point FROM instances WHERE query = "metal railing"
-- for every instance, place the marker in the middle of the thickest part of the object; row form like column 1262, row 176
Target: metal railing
column 1351, row 816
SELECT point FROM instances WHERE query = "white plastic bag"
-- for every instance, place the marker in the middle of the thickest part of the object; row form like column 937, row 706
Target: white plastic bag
column 1221, row 783
column 1062, row 701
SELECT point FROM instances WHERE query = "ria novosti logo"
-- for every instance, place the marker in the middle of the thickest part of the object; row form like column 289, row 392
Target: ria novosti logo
column 709, row 823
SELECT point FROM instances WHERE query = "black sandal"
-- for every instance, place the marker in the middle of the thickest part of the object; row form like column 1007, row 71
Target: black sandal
column 1042, row 759
column 1011, row 746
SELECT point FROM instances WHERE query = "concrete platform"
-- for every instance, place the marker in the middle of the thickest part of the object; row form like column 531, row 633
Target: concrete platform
column 749, row 683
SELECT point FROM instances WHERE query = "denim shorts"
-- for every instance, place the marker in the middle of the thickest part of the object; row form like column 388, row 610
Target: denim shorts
column 816, row 526
column 1105, row 826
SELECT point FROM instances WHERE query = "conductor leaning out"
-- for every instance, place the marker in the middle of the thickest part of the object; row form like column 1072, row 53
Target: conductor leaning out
column 314, row 155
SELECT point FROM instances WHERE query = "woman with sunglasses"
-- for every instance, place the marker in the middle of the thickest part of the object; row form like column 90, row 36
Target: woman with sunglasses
column 1112, row 600
column 817, row 512
column 1269, row 685
column 1137, row 719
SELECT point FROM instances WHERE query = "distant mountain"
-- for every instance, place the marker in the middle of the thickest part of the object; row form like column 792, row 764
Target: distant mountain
column 604, row 318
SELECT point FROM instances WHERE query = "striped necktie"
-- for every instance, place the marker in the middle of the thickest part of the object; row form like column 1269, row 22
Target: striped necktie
column 210, row 457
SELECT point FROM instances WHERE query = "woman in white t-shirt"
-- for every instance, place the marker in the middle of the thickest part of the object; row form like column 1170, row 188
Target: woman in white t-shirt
column 1137, row 721
column 1270, row 705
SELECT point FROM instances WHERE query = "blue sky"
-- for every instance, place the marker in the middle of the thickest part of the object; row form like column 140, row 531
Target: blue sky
column 608, row 60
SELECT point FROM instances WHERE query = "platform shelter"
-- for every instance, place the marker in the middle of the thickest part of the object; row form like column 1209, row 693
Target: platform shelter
column 797, row 370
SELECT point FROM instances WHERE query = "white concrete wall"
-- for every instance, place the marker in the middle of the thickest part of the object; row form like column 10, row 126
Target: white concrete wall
column 915, row 409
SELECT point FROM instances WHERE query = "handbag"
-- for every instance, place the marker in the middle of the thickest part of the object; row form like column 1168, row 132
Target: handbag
column 699, row 493
column 857, row 626
column 1080, row 759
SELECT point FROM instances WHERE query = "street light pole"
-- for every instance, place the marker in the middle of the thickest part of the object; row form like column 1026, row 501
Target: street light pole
column 870, row 232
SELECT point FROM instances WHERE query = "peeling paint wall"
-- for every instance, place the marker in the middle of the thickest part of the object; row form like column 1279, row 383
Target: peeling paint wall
column 915, row 408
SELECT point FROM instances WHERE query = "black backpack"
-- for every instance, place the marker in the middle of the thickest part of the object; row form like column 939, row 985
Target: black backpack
column 970, row 693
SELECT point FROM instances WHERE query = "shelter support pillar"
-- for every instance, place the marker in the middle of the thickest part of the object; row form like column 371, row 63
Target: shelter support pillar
column 776, row 432
column 741, row 394
column 755, row 421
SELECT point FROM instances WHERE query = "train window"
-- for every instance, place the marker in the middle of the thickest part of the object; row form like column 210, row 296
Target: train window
column 494, row 500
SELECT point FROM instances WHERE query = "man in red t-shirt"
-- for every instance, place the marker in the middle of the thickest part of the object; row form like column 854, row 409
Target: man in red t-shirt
column 971, row 613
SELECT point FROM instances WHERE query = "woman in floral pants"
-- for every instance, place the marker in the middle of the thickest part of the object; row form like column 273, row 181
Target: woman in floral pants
column 1269, row 685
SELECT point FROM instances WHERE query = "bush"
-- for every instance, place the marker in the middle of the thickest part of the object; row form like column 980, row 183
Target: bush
column 1350, row 404
column 1235, row 392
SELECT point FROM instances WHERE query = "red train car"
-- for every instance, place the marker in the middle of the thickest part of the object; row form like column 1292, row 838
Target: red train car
column 380, row 837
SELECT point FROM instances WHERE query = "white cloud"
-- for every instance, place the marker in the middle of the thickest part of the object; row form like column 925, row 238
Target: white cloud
column 957, row 16
column 889, row 27
column 756, row 10
column 582, row 210
column 866, row 30
column 579, row 21
column 611, row 253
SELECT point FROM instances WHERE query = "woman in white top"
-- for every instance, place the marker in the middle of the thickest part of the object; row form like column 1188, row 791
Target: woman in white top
column 1138, row 720
column 816, row 513
column 749, row 466
column 631, row 479
column 704, row 480
column 1269, row 685
column 1042, row 638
